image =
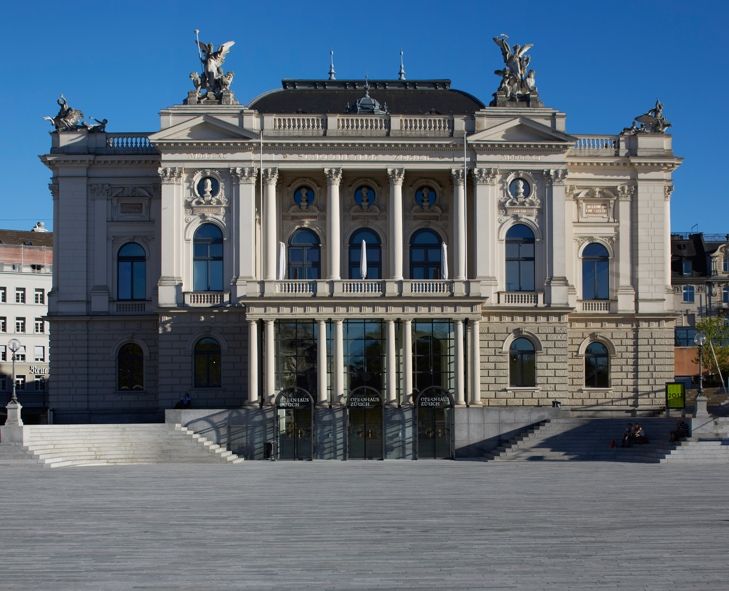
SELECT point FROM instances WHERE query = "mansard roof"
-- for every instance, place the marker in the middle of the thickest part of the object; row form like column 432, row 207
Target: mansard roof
column 402, row 97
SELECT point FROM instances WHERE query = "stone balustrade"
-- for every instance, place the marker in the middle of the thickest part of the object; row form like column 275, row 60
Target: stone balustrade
column 596, row 145
column 594, row 306
column 521, row 298
column 205, row 298
column 129, row 142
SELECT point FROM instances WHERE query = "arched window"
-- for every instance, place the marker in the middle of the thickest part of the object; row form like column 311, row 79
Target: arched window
column 425, row 255
column 595, row 272
column 131, row 272
column 130, row 367
column 597, row 366
column 207, row 363
column 304, row 255
column 373, row 251
column 519, row 259
column 522, row 363
column 208, row 258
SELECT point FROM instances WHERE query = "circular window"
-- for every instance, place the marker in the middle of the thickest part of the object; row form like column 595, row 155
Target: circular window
column 520, row 189
column 425, row 197
column 304, row 196
column 208, row 187
column 364, row 196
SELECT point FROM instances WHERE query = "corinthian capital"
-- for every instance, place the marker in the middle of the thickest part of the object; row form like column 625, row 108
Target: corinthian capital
column 555, row 176
column 459, row 175
column 396, row 175
column 244, row 174
column 334, row 175
column 170, row 174
column 485, row 176
column 270, row 175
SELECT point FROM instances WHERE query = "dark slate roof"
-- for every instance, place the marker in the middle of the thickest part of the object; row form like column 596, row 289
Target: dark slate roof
column 17, row 237
column 402, row 97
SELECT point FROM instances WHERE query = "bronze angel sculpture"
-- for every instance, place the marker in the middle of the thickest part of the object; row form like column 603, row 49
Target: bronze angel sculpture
column 212, row 80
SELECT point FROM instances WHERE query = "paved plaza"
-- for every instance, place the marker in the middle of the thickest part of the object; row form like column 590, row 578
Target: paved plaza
column 366, row 525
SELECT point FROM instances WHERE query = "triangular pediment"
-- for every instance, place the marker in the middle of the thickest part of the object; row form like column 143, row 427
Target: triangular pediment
column 521, row 130
column 204, row 128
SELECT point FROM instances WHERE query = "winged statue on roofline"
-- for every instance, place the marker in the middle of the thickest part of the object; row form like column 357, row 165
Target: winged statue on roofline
column 212, row 84
column 518, row 83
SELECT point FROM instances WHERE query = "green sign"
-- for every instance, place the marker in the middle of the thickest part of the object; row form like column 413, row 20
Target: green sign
column 675, row 395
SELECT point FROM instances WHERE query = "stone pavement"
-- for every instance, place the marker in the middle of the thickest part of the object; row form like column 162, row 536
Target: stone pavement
column 365, row 525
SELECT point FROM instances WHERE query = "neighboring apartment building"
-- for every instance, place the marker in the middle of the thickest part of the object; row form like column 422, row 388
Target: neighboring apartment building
column 26, row 263
column 222, row 256
column 700, row 278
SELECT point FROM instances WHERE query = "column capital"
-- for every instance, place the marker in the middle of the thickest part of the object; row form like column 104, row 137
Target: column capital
column 270, row 175
column 485, row 176
column 626, row 192
column 170, row 174
column 397, row 175
column 246, row 174
column 53, row 187
column 334, row 175
column 458, row 175
column 667, row 190
column 555, row 176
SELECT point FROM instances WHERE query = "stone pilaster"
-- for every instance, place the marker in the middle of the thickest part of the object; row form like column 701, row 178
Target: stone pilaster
column 270, row 216
column 556, row 284
column 169, row 286
column 245, row 232
column 459, row 223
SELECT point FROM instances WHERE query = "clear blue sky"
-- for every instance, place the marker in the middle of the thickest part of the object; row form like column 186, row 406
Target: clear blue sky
column 600, row 62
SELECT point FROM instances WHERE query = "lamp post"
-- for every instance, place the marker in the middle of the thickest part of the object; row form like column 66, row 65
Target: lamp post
column 700, row 341
column 13, row 407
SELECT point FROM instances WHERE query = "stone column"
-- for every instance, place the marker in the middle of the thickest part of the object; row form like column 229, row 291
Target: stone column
column 557, row 286
column 396, row 178
column 667, row 190
column 459, row 224
column 460, row 363
column 170, row 280
column 321, row 370
column 252, row 363
column 246, row 228
column 391, row 363
column 338, row 360
column 270, row 176
column 270, row 362
column 475, row 363
column 407, row 356
column 625, row 291
column 334, row 238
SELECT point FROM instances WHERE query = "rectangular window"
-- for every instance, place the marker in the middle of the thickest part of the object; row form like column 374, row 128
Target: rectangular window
column 39, row 326
column 20, row 354
column 19, row 295
column 40, row 383
column 3, row 294
column 3, row 353
column 20, row 325
column 725, row 266
column 687, row 266
column 20, row 383
column 3, row 324
column 40, row 353
column 688, row 294
column 40, row 296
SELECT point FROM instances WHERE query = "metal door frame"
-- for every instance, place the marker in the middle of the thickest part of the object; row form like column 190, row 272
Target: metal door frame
column 362, row 389
column 290, row 391
column 451, row 419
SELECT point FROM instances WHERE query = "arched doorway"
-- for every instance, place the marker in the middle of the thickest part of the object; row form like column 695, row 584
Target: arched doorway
column 365, row 425
column 434, row 423
column 295, row 424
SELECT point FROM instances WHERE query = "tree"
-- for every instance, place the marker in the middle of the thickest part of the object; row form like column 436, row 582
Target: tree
column 716, row 330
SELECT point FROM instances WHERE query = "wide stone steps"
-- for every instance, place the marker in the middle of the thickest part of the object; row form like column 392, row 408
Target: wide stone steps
column 92, row 445
column 700, row 452
column 585, row 439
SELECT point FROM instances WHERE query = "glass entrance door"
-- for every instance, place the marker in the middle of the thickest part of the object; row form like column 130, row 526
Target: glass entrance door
column 434, row 407
column 294, row 434
column 365, row 435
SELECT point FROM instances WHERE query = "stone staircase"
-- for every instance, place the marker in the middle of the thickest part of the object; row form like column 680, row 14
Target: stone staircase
column 700, row 451
column 588, row 439
column 93, row 445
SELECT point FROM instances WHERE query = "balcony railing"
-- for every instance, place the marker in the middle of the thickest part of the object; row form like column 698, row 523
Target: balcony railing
column 363, row 287
column 596, row 145
column 130, row 307
column 427, row 287
column 295, row 287
column 594, row 306
column 205, row 298
column 133, row 143
column 520, row 298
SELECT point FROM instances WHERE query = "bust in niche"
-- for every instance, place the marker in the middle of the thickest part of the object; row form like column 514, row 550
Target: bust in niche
column 208, row 188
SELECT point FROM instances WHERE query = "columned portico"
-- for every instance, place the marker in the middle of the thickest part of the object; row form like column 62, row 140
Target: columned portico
column 270, row 176
column 396, row 238
column 334, row 235
column 459, row 223
column 252, row 399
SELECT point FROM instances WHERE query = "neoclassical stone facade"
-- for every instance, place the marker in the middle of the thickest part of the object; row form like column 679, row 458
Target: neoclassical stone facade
column 511, row 267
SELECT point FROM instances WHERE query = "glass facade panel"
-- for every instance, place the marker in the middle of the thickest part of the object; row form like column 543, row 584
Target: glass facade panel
column 296, row 355
column 365, row 346
column 433, row 354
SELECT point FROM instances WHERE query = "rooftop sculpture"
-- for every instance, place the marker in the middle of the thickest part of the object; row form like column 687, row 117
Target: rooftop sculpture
column 654, row 121
column 212, row 84
column 67, row 118
column 518, row 85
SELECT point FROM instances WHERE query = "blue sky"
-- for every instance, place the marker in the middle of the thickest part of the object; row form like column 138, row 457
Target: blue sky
column 602, row 63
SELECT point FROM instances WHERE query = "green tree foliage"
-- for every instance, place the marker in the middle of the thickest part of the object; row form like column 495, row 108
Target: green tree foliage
column 716, row 329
